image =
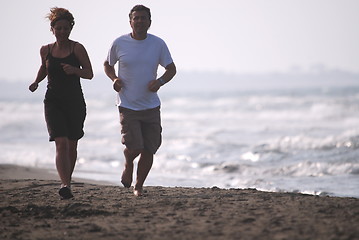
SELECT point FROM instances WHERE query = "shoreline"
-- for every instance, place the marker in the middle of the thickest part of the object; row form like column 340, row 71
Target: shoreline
column 12, row 171
column 30, row 208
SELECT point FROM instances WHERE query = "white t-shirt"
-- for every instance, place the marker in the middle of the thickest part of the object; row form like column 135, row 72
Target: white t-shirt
column 138, row 61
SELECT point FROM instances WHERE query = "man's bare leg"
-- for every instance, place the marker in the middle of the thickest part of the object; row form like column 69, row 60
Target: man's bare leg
column 127, row 173
column 144, row 167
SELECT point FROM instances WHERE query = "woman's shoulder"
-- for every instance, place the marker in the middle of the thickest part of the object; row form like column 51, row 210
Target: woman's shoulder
column 77, row 46
column 45, row 49
column 47, row 46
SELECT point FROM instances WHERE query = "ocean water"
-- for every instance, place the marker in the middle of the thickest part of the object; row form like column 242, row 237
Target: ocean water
column 238, row 133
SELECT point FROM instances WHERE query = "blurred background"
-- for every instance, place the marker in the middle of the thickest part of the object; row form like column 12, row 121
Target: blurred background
column 266, row 94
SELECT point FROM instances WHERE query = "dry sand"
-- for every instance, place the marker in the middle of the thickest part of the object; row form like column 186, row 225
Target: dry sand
column 30, row 208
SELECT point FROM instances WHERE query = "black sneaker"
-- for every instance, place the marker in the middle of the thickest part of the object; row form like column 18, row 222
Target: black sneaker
column 65, row 193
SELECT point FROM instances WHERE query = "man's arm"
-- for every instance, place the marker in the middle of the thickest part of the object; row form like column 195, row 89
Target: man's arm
column 111, row 73
column 167, row 76
column 169, row 73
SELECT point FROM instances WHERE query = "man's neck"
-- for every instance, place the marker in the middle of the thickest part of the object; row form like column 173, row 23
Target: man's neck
column 138, row 36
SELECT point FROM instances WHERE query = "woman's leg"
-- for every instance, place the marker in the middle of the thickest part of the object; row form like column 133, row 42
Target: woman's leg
column 72, row 155
column 63, row 163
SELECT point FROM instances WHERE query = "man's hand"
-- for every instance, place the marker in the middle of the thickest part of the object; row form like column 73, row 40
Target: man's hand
column 154, row 85
column 117, row 84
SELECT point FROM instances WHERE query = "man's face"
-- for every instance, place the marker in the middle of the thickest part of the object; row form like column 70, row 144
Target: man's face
column 140, row 21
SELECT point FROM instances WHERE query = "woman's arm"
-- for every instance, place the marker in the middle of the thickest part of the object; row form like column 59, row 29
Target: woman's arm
column 86, row 69
column 42, row 73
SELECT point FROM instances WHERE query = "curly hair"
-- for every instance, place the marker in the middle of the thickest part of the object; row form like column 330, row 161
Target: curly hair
column 57, row 14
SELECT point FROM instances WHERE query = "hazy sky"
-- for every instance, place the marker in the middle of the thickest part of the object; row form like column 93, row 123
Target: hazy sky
column 237, row 36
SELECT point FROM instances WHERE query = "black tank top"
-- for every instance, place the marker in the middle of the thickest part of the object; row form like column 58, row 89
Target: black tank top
column 61, row 86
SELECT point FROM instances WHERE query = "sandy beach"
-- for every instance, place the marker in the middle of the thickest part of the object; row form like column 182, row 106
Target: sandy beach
column 31, row 209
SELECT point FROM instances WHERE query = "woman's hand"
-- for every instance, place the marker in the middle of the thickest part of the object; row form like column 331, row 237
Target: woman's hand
column 68, row 69
column 33, row 86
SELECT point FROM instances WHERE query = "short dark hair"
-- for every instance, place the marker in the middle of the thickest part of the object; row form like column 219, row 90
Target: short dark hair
column 140, row 8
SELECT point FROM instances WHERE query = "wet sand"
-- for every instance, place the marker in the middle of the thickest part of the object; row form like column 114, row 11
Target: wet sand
column 31, row 208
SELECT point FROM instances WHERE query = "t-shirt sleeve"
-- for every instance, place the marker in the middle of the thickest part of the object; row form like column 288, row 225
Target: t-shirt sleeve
column 166, row 57
column 112, row 55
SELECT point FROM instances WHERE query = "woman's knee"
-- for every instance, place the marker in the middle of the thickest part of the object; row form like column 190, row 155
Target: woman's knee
column 62, row 144
column 132, row 152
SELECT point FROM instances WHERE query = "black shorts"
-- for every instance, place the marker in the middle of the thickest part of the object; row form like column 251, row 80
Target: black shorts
column 65, row 119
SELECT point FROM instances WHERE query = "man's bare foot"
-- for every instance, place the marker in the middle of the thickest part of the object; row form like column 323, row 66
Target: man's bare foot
column 137, row 192
column 126, row 178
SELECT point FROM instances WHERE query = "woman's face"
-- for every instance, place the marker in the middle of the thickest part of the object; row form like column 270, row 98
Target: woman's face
column 62, row 30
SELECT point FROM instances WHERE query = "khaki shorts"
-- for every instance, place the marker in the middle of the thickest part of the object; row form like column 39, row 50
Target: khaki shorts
column 141, row 129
